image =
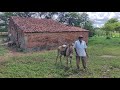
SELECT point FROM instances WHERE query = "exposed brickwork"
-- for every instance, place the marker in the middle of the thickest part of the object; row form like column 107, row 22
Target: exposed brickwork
column 51, row 40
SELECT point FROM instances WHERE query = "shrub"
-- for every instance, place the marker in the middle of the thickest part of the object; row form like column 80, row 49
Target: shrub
column 107, row 37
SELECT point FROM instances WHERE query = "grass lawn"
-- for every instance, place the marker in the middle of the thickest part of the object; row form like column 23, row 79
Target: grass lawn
column 3, row 50
column 103, row 62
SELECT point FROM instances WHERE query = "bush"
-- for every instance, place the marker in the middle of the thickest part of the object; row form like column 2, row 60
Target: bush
column 107, row 37
column 3, row 30
column 91, row 33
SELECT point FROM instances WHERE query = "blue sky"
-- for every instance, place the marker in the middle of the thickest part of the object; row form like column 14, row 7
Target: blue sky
column 99, row 18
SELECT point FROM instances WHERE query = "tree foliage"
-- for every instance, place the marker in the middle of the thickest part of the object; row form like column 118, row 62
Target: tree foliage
column 111, row 25
column 112, row 20
column 4, row 17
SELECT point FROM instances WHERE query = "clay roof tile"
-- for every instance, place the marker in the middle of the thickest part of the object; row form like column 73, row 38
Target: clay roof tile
column 42, row 25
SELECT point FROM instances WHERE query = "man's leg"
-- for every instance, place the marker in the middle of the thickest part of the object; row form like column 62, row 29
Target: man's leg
column 78, row 61
column 84, row 62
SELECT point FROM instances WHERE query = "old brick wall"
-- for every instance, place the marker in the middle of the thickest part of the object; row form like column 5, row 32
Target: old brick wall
column 39, row 41
column 17, row 34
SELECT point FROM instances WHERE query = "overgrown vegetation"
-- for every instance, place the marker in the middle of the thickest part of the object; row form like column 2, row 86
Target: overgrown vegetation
column 3, row 49
column 103, row 62
column 111, row 26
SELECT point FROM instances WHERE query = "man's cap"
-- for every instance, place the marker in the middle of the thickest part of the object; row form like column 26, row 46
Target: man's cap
column 81, row 36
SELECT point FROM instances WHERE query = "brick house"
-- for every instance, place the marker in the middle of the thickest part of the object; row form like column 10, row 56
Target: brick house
column 31, row 34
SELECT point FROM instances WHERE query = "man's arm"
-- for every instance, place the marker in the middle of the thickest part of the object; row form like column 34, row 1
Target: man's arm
column 86, row 52
column 85, row 46
column 75, row 49
column 76, row 52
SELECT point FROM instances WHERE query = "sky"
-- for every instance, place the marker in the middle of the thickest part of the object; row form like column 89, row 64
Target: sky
column 99, row 18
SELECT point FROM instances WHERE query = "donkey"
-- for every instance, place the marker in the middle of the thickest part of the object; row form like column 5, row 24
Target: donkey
column 66, row 51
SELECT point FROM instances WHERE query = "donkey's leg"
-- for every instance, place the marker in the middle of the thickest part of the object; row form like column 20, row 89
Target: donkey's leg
column 60, row 59
column 56, row 59
column 67, row 61
column 71, row 61
column 57, row 56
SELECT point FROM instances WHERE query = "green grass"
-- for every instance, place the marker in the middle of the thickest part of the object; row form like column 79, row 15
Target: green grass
column 41, row 64
column 3, row 50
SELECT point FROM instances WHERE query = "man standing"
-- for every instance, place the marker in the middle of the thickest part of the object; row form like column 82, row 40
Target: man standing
column 81, row 53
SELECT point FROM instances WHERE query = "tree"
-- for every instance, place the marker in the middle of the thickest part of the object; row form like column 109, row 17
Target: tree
column 110, row 26
column 48, row 15
column 112, row 20
column 73, row 19
column 4, row 17
column 89, row 26
column 24, row 14
column 77, row 19
column 117, row 27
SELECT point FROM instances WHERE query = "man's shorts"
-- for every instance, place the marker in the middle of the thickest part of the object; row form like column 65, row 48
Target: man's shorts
column 82, row 57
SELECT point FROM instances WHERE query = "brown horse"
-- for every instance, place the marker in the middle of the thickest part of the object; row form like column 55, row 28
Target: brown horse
column 66, row 51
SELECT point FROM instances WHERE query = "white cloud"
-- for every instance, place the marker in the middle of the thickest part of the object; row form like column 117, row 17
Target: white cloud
column 99, row 18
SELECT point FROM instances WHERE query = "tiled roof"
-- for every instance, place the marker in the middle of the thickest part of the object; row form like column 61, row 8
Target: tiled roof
column 42, row 25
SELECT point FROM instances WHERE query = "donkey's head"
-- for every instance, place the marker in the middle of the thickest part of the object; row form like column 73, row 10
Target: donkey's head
column 70, row 50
